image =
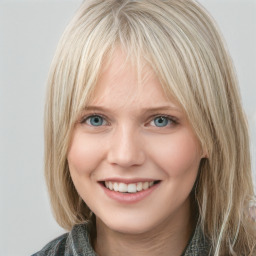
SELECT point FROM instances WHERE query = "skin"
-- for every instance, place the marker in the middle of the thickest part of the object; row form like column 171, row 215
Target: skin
column 128, row 145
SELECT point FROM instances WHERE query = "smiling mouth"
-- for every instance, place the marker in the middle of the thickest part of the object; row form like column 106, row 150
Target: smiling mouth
column 130, row 187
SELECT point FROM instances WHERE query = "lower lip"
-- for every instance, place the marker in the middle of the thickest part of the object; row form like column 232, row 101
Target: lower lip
column 129, row 198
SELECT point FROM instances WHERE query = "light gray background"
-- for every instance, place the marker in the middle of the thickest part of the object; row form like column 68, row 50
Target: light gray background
column 29, row 32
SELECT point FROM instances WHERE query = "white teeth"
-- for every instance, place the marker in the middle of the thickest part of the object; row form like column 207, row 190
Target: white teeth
column 123, row 187
column 145, row 185
column 139, row 186
column 110, row 185
column 130, row 188
column 116, row 187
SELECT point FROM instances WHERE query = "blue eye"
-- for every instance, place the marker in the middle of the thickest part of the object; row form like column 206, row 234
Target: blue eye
column 161, row 121
column 95, row 120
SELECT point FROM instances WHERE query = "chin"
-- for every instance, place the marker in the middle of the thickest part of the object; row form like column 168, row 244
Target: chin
column 130, row 225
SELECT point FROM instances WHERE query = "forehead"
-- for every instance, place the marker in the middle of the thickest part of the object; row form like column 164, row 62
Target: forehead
column 120, row 78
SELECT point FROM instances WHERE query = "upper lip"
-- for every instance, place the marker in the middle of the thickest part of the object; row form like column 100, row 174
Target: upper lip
column 127, row 181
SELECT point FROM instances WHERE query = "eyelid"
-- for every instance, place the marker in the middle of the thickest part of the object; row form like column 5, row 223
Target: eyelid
column 89, row 115
column 174, row 120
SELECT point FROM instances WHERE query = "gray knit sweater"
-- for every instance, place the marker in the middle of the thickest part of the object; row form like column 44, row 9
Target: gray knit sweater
column 76, row 243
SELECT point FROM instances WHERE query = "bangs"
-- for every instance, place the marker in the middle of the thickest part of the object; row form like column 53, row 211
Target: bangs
column 145, row 42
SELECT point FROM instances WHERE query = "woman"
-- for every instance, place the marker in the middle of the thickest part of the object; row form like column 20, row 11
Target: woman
column 147, row 148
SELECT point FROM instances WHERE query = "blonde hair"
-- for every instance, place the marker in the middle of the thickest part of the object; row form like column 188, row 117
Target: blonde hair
column 181, row 43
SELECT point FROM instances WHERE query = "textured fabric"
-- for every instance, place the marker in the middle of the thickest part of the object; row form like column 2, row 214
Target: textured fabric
column 198, row 245
column 76, row 243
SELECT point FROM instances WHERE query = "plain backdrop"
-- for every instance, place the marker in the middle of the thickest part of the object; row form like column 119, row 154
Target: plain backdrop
column 29, row 32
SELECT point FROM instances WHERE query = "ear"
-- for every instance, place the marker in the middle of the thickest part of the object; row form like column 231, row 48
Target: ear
column 204, row 154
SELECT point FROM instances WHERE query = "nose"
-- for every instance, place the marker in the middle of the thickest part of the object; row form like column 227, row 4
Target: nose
column 126, row 148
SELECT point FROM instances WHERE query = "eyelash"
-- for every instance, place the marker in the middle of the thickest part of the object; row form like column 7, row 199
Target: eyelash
column 172, row 119
column 85, row 118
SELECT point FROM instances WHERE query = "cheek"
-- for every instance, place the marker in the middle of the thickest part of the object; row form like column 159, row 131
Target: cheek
column 84, row 154
column 176, row 153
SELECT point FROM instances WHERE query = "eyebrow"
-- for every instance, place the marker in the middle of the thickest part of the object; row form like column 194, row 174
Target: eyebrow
column 144, row 110
column 161, row 108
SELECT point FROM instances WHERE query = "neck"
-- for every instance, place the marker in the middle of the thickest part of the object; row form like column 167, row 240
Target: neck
column 168, row 238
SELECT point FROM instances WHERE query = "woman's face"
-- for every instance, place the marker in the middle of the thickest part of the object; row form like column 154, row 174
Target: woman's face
column 133, row 157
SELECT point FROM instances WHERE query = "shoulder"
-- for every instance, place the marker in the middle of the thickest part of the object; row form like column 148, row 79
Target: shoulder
column 55, row 247
column 76, row 242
